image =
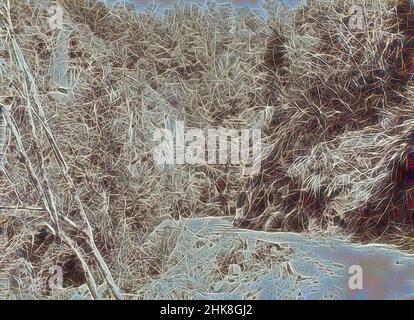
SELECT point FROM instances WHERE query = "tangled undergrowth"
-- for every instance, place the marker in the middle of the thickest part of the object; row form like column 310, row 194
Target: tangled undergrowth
column 80, row 188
